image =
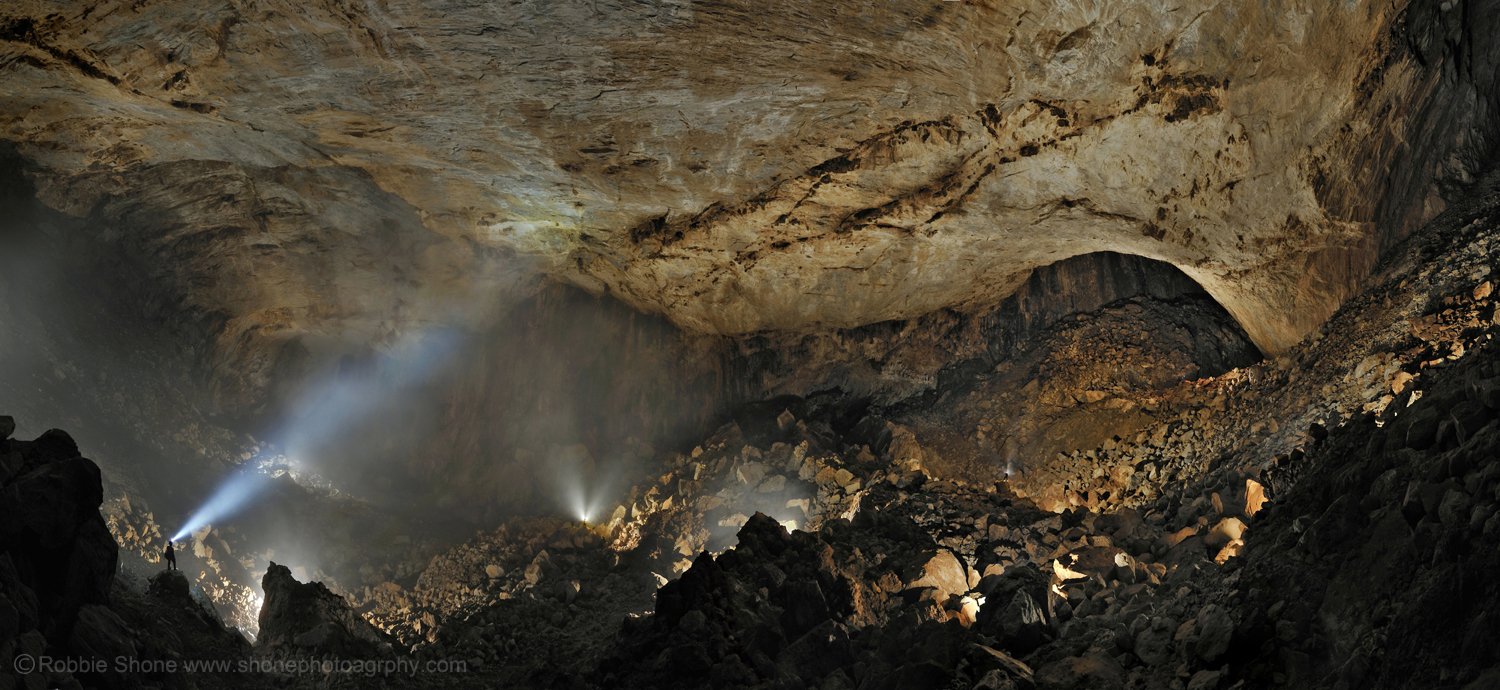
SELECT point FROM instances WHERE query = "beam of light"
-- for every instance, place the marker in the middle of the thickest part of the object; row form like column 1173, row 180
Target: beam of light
column 232, row 497
column 581, row 486
column 581, row 508
column 331, row 408
column 580, row 504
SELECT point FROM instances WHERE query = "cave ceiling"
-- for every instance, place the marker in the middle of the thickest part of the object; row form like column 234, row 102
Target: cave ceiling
column 363, row 167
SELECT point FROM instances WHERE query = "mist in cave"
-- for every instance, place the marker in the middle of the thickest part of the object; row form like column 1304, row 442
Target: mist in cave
column 695, row 344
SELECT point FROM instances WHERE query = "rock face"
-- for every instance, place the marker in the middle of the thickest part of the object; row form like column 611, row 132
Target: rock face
column 57, row 559
column 358, row 171
column 307, row 618
column 56, row 554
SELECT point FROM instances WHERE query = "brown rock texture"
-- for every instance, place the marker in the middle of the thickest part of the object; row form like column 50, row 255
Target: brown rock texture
column 352, row 170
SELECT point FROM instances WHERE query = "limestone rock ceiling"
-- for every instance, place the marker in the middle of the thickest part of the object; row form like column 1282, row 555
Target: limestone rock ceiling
column 361, row 166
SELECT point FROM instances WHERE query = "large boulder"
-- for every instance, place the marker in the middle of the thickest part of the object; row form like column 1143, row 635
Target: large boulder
column 170, row 585
column 1092, row 671
column 61, row 554
column 1013, row 610
column 944, row 572
column 308, row 618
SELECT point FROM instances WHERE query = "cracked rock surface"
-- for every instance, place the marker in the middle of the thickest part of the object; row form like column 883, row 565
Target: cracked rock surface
column 311, row 169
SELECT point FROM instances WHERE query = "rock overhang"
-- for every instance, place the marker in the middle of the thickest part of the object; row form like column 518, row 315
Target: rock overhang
column 738, row 168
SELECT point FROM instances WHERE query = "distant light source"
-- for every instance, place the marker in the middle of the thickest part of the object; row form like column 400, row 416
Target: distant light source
column 581, row 508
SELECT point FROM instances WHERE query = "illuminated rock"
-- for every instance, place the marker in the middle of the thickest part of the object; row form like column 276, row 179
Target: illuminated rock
column 1227, row 530
column 897, row 162
column 944, row 572
column 310, row 617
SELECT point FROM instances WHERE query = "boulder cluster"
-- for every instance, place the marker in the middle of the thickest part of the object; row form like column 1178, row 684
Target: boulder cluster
column 972, row 578
column 941, row 583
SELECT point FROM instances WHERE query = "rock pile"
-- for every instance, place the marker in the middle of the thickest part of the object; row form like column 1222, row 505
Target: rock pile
column 1242, row 537
column 134, row 528
column 935, row 584
column 1090, row 376
column 1376, row 566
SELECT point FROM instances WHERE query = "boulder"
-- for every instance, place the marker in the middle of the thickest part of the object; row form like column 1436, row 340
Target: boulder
column 1455, row 508
column 1330, row 531
column 995, row 679
column 991, row 661
column 1205, row 680
column 1092, row 671
column 59, row 548
column 1095, row 559
column 309, row 619
column 1421, row 426
column 1022, row 622
column 816, row 653
column 98, row 633
column 1255, row 498
column 540, row 567
column 1215, row 629
column 1131, row 571
column 1411, row 503
column 170, row 585
column 1120, row 522
column 1467, row 418
column 1227, row 530
column 1153, row 646
column 1171, row 540
column 968, row 611
column 804, row 606
column 943, row 572
column 751, row 473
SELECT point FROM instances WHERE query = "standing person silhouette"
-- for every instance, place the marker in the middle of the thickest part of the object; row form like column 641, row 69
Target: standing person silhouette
column 171, row 557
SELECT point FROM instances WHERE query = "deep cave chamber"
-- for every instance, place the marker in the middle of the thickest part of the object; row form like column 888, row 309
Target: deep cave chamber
column 510, row 326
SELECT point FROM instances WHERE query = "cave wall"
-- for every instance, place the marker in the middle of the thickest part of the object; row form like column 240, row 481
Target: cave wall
column 803, row 197
column 891, row 361
column 484, row 415
column 91, row 342
column 347, row 171
column 571, row 388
